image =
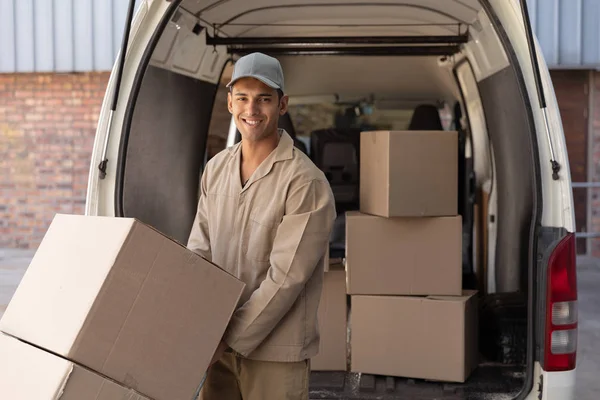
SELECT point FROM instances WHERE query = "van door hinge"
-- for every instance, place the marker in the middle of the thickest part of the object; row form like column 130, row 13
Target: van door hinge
column 541, row 387
column 119, row 74
column 540, row 89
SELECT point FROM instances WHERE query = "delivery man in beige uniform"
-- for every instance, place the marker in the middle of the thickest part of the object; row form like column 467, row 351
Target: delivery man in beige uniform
column 265, row 215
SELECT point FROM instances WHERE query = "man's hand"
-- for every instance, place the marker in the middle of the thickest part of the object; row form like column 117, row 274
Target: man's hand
column 219, row 352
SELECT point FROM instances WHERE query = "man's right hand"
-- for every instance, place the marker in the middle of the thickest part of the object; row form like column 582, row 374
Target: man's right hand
column 219, row 352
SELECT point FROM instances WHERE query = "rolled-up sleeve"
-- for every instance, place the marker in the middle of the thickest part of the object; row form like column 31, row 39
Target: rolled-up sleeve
column 299, row 245
column 199, row 239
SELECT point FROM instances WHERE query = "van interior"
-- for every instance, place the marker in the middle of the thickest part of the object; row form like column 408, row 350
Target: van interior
column 354, row 66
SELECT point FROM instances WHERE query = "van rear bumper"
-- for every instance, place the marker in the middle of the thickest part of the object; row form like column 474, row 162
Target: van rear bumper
column 555, row 385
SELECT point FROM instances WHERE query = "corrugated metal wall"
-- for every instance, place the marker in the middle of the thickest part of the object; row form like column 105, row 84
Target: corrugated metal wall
column 568, row 31
column 60, row 35
column 85, row 35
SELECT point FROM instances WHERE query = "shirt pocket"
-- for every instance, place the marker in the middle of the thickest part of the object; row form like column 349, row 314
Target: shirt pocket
column 261, row 231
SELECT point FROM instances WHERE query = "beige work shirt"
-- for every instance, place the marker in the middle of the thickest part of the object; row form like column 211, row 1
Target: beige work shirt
column 272, row 234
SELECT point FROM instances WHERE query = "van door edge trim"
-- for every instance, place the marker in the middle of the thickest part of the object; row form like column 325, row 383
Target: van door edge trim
column 131, row 102
column 537, row 198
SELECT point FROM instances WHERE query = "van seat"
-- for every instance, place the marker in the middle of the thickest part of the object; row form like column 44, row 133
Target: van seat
column 426, row 117
column 336, row 151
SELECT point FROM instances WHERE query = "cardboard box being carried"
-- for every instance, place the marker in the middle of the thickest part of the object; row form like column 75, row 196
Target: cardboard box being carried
column 332, row 317
column 428, row 338
column 119, row 298
column 403, row 256
column 409, row 173
column 28, row 373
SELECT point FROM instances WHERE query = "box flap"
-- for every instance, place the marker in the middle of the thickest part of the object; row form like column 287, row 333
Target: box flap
column 466, row 295
column 84, row 384
column 68, row 265
column 28, row 373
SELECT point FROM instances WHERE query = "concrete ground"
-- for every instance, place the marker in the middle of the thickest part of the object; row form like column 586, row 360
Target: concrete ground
column 588, row 349
column 13, row 264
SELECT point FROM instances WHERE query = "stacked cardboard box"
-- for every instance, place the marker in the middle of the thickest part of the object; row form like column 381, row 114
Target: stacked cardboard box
column 332, row 322
column 111, row 306
column 409, row 314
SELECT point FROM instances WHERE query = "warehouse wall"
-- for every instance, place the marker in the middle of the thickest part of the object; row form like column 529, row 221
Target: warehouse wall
column 61, row 35
column 47, row 128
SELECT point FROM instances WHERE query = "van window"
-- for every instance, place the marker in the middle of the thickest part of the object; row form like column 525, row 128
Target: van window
column 307, row 118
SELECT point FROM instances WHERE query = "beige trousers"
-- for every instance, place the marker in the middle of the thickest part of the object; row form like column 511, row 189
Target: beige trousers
column 237, row 378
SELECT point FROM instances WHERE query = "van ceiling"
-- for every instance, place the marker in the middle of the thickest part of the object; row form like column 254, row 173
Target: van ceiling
column 409, row 78
column 414, row 78
column 267, row 18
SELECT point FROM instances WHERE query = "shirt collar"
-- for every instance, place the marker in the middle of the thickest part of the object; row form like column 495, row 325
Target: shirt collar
column 283, row 151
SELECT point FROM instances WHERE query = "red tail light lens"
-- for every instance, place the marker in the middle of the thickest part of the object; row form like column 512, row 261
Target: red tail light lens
column 561, row 308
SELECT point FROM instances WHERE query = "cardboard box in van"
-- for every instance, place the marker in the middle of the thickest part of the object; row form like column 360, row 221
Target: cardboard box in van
column 332, row 322
column 120, row 298
column 28, row 373
column 432, row 337
column 409, row 173
column 403, row 256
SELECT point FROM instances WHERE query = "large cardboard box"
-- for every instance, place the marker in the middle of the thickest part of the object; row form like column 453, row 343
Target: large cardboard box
column 409, row 173
column 431, row 338
column 118, row 297
column 403, row 256
column 28, row 373
column 332, row 321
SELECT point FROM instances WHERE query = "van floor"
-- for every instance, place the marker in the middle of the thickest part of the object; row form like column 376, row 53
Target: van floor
column 488, row 381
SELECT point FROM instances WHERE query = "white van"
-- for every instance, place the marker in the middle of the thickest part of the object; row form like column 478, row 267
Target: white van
column 465, row 65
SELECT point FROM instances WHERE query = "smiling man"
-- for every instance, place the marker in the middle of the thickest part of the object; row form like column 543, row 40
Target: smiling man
column 265, row 215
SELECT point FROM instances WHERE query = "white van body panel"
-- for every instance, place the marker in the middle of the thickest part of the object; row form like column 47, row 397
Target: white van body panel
column 181, row 50
column 559, row 385
column 557, row 196
column 101, row 192
column 556, row 385
column 485, row 50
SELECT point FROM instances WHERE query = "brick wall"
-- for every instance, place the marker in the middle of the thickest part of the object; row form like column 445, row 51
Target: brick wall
column 47, row 128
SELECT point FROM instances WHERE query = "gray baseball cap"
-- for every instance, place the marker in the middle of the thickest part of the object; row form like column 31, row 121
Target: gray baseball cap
column 259, row 66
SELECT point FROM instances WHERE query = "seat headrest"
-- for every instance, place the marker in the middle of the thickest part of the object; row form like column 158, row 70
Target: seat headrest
column 426, row 118
column 285, row 122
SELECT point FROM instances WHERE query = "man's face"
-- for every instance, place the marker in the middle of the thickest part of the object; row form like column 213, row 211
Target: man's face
column 255, row 108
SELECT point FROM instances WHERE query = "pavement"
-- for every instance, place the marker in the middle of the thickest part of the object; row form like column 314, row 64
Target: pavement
column 588, row 349
column 13, row 264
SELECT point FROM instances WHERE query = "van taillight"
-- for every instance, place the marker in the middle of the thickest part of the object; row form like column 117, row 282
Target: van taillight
column 561, row 308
